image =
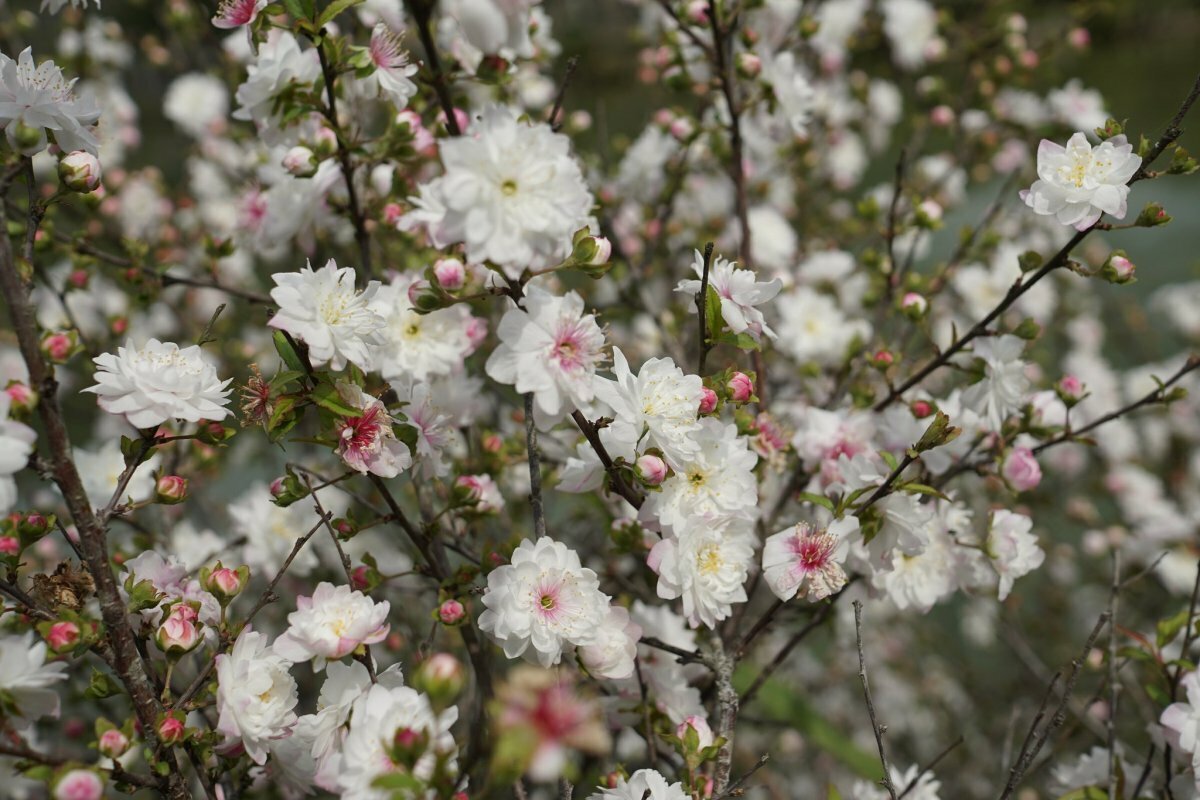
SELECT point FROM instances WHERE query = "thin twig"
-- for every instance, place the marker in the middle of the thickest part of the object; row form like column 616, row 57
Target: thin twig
column 929, row 767
column 422, row 12
column 535, row 470
column 1114, row 685
column 592, row 434
column 702, row 308
column 876, row 728
column 561, row 96
column 736, row 788
column 786, row 650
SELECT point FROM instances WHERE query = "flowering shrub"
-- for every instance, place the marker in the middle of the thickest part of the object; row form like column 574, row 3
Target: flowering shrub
column 569, row 475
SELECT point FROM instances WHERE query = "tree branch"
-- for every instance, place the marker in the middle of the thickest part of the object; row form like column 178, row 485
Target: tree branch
column 876, row 728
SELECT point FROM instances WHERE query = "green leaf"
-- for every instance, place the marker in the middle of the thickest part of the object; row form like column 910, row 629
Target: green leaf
column 818, row 499
column 1166, row 630
column 288, row 353
column 327, row 397
column 333, row 9
column 889, row 459
column 833, row 793
column 713, row 318
column 300, row 9
column 1086, row 793
column 101, row 686
column 920, row 488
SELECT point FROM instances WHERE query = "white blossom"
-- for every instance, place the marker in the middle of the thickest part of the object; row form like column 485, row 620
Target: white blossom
column 256, row 695
column 808, row 560
column 1004, row 387
column 413, row 346
column 1012, row 547
column 706, row 567
column 393, row 71
column 279, row 65
column 159, row 382
column 325, row 310
column 645, row 784
column 512, row 193
column 16, row 445
column 614, row 647
column 551, row 348
column 41, row 98
column 26, row 678
column 739, row 292
column 331, row 624
column 1078, row 183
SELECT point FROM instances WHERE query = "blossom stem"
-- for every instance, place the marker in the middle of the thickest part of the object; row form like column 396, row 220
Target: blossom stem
column 127, row 661
column 555, row 123
column 702, row 308
column 876, row 728
column 422, row 12
column 535, row 470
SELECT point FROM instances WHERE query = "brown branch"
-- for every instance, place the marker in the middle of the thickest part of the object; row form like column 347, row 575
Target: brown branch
column 723, row 665
column 592, row 434
column 929, row 767
column 127, row 661
column 876, row 728
column 702, row 308
column 736, row 788
column 422, row 12
column 561, row 96
column 787, row 649
column 535, row 470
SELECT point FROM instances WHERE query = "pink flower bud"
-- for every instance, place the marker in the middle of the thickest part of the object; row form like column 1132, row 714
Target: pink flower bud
column 697, row 11
column 1079, row 38
column 914, row 304
column 392, row 213
column 461, row 117
column 62, row 636
column 477, row 330
column 748, row 65
column 931, row 210
column 9, row 546
column 325, row 143
column 708, row 400
column 740, row 387
column 652, row 469
column 300, row 162
column 1123, row 267
column 178, row 634
column 451, row 612
column 682, row 128
column 698, row 724
column 881, row 359
column 119, row 325
column 442, row 677
column 1028, row 59
column 1071, row 386
column 277, row 487
column 664, row 117
column 450, row 273
column 79, row 278
column 224, row 583
column 74, row 727
column 79, row 784
column 112, row 743
column 171, row 489
column 360, row 578
column 471, row 487
column 171, row 731
column 79, row 171
column 492, row 443
column 921, row 409
column 58, row 346
column 942, row 116
column 1021, row 469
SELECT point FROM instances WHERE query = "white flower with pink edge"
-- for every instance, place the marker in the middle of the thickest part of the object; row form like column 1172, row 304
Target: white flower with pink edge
column 331, row 624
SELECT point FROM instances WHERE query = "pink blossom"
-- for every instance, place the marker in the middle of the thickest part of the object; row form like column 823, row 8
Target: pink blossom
column 708, row 401
column 179, row 634
column 171, row 489
column 740, row 387
column 62, row 636
column 651, row 469
column 451, row 612
column 450, row 273
column 79, row 784
column 9, row 546
column 113, row 743
column 1021, row 469
column 171, row 730
column 236, row 13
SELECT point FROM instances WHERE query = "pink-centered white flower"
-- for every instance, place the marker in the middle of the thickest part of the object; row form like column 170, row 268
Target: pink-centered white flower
column 414, row 346
column 512, row 194
column 236, row 13
column 549, row 347
column 367, row 442
column 740, row 294
column 331, row 624
column 807, row 560
column 543, row 598
column 660, row 400
column 160, row 382
column 1013, row 548
column 393, row 70
column 324, row 309
column 256, row 695
column 1078, row 183
column 614, row 649
column 38, row 99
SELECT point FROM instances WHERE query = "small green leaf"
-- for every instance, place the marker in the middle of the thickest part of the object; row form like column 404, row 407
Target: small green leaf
column 1086, row 793
column 333, row 9
column 1166, row 630
column 818, row 499
column 288, row 353
column 327, row 397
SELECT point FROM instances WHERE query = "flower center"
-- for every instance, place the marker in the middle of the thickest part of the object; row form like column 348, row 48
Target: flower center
column 709, row 559
column 508, row 188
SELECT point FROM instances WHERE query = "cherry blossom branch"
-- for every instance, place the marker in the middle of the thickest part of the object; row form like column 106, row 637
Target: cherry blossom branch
column 535, row 470
column 723, row 665
column 1151, row 398
column 786, row 650
column 1036, row 739
column 885, row 487
column 127, row 661
column 555, row 123
column 721, row 57
column 876, row 728
column 685, row 28
column 1114, row 685
column 735, row 788
column 357, row 216
column 592, row 434
column 422, row 12
column 119, row 773
column 1021, row 286
column 702, row 308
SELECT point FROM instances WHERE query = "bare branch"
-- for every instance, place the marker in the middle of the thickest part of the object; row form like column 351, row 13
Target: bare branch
column 876, row 728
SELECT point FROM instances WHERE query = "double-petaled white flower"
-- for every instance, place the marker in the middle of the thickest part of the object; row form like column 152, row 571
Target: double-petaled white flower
column 1181, row 722
column 551, row 348
column 1013, row 548
column 705, row 566
column 614, row 647
column 280, row 65
column 332, row 624
column 325, row 310
column 256, row 695
column 542, row 598
column 37, row 99
column 512, row 194
column 367, row 442
column 1004, row 386
column 414, row 346
column 740, row 294
column 660, row 400
column 807, row 560
column 158, row 382
column 1078, row 183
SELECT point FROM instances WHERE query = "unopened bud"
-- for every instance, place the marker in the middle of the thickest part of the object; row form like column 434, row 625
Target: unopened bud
column 112, row 743
column 26, row 139
column 451, row 612
column 921, row 408
column 1152, row 216
column 224, row 583
column 79, row 171
column 300, row 162
column 1021, row 469
column 708, row 401
column 79, row 784
column 740, row 387
column 10, row 546
column 914, row 305
column 62, row 636
column 22, row 399
column 179, row 634
column 171, row 489
column 442, row 677
column 171, row 731
column 450, row 273
column 882, row 359
column 325, row 144
column 748, row 65
column 1118, row 269
column 651, row 469
column 59, row 346
column 1079, row 38
column 408, row 745
column 942, row 116
column 698, row 724
column 591, row 254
